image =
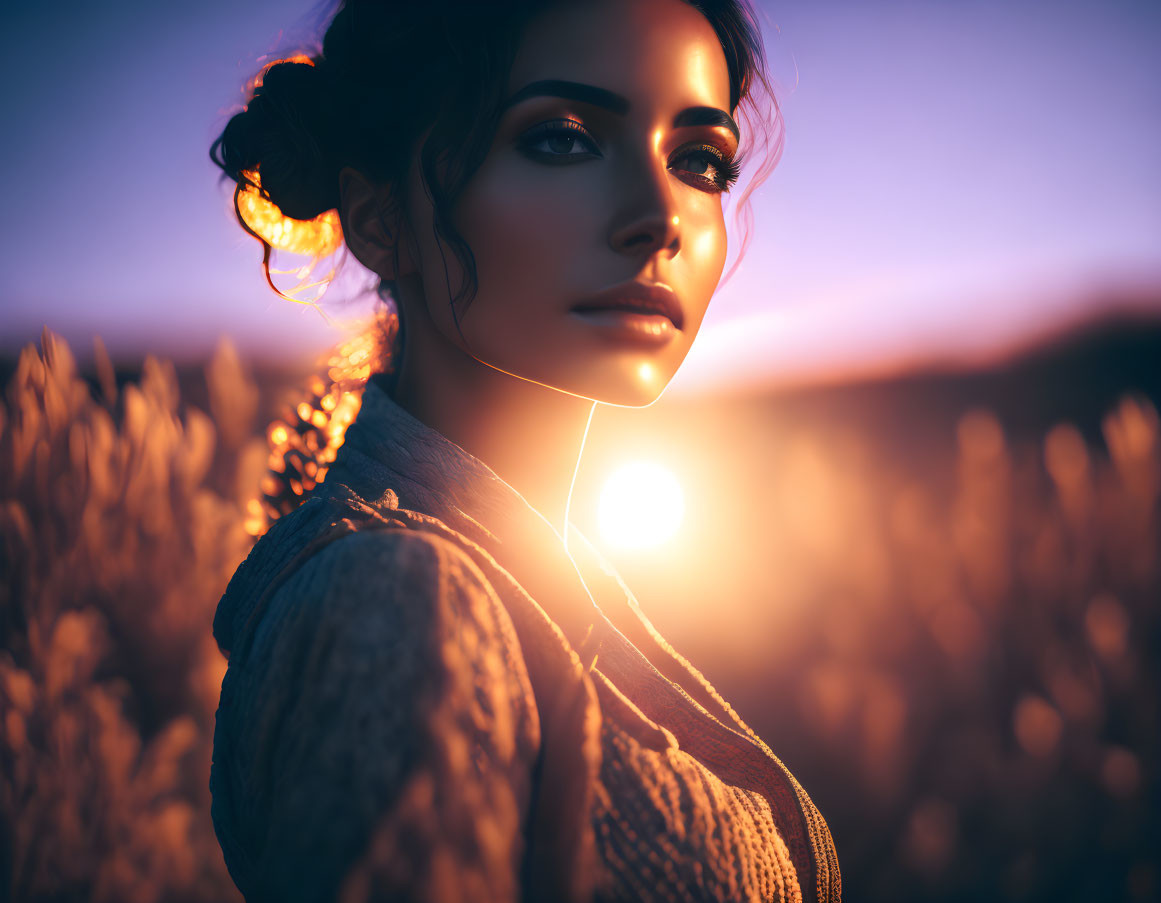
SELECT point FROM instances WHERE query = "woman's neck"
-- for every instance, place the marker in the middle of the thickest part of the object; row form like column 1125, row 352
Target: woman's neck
column 529, row 434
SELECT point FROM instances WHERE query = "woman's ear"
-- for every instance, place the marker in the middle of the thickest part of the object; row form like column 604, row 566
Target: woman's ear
column 373, row 225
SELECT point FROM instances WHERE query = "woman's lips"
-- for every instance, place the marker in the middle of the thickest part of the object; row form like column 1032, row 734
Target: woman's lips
column 651, row 328
column 647, row 312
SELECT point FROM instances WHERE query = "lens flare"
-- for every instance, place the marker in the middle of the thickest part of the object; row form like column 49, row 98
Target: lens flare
column 641, row 506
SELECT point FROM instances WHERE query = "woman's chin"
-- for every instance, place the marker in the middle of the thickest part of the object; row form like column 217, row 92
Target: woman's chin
column 636, row 386
column 633, row 381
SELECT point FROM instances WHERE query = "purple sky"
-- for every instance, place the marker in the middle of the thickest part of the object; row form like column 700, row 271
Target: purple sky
column 956, row 175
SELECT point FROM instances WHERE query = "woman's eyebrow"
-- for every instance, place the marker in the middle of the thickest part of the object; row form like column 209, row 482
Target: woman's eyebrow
column 706, row 116
column 600, row 97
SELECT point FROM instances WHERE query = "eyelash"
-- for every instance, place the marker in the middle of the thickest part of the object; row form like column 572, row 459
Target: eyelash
column 727, row 169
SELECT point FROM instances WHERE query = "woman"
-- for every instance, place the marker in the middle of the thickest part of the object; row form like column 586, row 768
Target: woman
column 433, row 694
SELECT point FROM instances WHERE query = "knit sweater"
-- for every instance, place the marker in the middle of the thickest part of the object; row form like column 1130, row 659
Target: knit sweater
column 401, row 719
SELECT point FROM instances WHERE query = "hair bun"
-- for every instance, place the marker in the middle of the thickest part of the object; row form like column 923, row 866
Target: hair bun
column 287, row 133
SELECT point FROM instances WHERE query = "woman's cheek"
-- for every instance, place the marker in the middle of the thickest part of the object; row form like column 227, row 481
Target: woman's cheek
column 704, row 250
column 537, row 238
column 532, row 203
column 517, row 250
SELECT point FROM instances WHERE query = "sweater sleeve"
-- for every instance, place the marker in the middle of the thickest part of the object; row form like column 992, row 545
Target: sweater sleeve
column 378, row 741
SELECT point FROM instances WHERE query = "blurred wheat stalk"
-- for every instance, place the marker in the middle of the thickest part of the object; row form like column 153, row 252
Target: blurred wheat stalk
column 115, row 545
column 978, row 664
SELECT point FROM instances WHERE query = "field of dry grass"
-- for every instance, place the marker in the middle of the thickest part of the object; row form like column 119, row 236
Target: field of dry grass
column 974, row 666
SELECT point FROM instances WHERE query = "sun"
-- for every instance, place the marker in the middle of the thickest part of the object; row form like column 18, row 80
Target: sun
column 641, row 506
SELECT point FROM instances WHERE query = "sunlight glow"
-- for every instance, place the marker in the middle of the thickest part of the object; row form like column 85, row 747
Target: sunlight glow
column 641, row 506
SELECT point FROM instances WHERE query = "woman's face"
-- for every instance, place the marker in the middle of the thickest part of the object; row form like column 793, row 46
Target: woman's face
column 598, row 205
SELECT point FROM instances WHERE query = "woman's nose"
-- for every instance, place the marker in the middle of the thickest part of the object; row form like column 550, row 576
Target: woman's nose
column 649, row 223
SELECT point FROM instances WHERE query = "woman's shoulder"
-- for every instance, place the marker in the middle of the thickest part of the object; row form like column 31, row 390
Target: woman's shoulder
column 376, row 668
column 332, row 588
column 390, row 585
column 328, row 561
column 406, row 608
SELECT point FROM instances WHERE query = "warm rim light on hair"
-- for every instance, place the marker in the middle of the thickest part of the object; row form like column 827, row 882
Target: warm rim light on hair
column 256, row 81
column 641, row 506
column 319, row 238
column 316, row 237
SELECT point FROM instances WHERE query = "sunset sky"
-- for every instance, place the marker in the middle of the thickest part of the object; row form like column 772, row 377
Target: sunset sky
column 956, row 176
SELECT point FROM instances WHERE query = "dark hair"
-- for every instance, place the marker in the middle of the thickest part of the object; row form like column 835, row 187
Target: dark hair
column 388, row 70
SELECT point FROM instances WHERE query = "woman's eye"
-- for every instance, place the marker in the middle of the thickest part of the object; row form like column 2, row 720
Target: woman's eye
column 698, row 163
column 560, row 143
column 710, row 168
column 561, row 139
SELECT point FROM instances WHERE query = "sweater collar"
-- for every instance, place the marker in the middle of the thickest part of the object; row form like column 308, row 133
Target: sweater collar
column 391, row 459
column 387, row 449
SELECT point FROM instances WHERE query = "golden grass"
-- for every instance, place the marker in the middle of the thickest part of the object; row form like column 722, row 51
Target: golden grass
column 114, row 555
column 972, row 687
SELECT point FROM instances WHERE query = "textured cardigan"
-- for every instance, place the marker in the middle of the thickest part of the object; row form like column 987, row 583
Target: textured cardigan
column 402, row 720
